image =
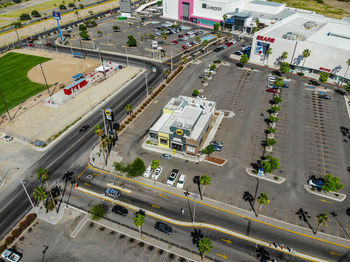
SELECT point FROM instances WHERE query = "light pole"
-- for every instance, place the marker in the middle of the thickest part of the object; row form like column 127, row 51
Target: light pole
column 101, row 60
column 93, row 43
column 47, row 86
column 248, row 197
column 171, row 59
column 104, row 121
column 146, row 83
column 127, row 59
column 188, row 203
column 194, row 207
column 26, row 192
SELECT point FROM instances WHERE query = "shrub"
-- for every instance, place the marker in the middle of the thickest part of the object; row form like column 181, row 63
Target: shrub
column 149, row 100
column 271, row 130
column 9, row 240
column 24, row 224
column 50, row 205
column 122, row 126
column 270, row 142
column 3, row 248
column 24, row 17
column 31, row 218
column 153, row 97
column 300, row 73
column 144, row 104
column 133, row 116
column 129, row 119
column 142, row 107
column 35, row 13
column 126, row 122
column 16, row 232
column 139, row 111
column 62, row 7
column 71, row 5
column 217, row 61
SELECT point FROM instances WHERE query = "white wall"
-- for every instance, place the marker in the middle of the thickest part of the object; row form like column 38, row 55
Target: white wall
column 263, row 8
column 171, row 9
column 214, row 14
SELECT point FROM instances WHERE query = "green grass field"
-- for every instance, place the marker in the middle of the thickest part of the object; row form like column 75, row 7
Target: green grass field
column 14, row 83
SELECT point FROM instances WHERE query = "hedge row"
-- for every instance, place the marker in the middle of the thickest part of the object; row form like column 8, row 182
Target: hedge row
column 178, row 70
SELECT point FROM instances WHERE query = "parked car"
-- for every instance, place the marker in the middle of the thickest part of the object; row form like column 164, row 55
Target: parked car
column 285, row 84
column 238, row 53
column 157, row 173
column 202, row 97
column 315, row 182
column 208, row 71
column 6, row 137
column 161, row 42
column 120, row 210
column 180, row 36
column 217, row 148
column 184, row 47
column 174, row 42
column 324, row 97
column 217, row 143
column 272, row 90
column 271, row 78
column 162, row 227
column 181, row 181
column 148, row 172
column 270, row 85
column 84, row 128
column 11, row 255
column 112, row 192
column 172, row 178
column 165, row 156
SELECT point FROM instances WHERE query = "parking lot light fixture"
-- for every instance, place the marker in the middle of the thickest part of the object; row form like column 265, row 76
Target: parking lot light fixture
column 42, row 71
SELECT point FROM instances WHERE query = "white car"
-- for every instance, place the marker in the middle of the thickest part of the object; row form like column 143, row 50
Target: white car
column 202, row 97
column 181, row 181
column 208, row 71
column 157, row 173
column 271, row 78
column 270, row 86
column 11, row 255
column 172, row 178
column 6, row 137
column 148, row 172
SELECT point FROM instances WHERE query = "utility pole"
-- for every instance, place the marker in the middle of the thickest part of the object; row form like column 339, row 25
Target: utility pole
column 3, row 100
column 47, row 86
column 93, row 43
column 101, row 60
column 194, row 207
column 26, row 192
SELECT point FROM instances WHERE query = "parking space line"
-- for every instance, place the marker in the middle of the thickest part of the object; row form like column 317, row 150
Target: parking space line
column 155, row 206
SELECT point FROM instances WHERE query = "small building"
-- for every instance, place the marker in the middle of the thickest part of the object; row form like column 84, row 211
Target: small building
column 75, row 86
column 184, row 124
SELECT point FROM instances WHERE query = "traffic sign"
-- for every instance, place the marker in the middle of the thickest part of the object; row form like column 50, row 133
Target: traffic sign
column 56, row 15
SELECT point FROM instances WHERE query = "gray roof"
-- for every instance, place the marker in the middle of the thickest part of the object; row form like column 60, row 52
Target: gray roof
column 274, row 4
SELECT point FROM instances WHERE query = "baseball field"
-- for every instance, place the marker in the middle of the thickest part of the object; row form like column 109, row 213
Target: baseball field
column 14, row 83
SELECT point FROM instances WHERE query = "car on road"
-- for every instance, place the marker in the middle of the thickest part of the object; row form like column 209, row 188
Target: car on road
column 120, row 210
column 181, row 181
column 112, row 192
column 272, row 90
column 6, row 137
column 315, row 182
column 172, row 178
column 162, row 227
column 238, row 53
column 157, row 173
column 84, row 128
column 165, row 156
column 218, row 143
column 148, row 172
column 325, row 97
column 271, row 78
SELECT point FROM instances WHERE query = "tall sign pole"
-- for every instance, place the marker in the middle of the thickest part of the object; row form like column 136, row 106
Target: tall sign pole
column 57, row 16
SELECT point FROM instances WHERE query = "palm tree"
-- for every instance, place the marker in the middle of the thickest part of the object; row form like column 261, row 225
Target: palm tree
column 348, row 63
column 139, row 220
column 40, row 193
column 306, row 54
column 303, row 215
column 164, row 35
column 284, row 56
column 224, row 18
column 128, row 108
column 205, row 245
column 154, row 166
column 268, row 53
column 204, row 180
column 99, row 132
column 198, row 39
column 263, row 199
column 322, row 218
column 43, row 175
column 106, row 141
column 166, row 73
column 77, row 14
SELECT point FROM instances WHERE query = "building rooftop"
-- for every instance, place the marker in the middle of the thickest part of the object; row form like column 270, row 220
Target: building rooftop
column 259, row 2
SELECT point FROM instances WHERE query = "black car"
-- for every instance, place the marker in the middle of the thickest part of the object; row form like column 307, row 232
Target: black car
column 120, row 210
column 162, row 227
column 325, row 96
column 84, row 128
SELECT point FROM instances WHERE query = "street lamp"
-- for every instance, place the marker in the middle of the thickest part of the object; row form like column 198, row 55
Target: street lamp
column 42, row 71
column 25, row 190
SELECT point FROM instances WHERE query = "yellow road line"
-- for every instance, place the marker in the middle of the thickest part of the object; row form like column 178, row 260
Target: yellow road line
column 326, row 201
column 82, row 172
column 161, row 195
column 155, row 206
column 87, row 184
column 226, row 240
column 227, row 211
column 223, row 256
column 96, row 174
column 334, row 253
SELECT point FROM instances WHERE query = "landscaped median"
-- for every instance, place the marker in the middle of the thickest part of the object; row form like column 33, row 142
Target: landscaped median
column 269, row 177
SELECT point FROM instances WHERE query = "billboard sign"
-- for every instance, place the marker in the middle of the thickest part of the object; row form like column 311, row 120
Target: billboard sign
column 56, row 15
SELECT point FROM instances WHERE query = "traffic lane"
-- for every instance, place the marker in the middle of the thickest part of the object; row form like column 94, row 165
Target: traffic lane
column 243, row 226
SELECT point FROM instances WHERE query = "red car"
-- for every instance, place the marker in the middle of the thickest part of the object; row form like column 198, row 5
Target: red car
column 175, row 42
column 184, row 47
column 271, row 90
column 31, row 44
column 228, row 44
column 180, row 36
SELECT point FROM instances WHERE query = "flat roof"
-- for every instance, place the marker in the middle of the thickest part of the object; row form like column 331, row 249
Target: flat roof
column 259, row 2
column 160, row 122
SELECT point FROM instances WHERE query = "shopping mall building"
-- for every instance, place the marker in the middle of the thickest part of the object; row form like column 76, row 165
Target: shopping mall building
column 282, row 29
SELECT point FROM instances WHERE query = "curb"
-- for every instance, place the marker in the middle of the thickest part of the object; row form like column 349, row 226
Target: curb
column 266, row 177
column 341, row 199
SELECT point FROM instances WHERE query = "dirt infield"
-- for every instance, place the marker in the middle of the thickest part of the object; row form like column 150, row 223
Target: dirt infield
column 60, row 69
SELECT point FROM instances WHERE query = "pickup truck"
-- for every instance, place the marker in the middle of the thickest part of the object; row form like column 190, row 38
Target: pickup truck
column 10, row 255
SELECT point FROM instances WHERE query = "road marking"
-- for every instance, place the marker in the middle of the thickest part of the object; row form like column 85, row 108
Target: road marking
column 326, row 201
column 87, row 184
column 226, row 240
column 155, row 206
column 223, row 256
column 82, row 172
column 337, row 228
column 161, row 195
column 334, row 253
column 96, row 174
column 75, row 197
column 226, row 211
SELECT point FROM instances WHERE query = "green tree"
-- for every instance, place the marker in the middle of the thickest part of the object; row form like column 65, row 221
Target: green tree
column 270, row 164
column 43, row 175
column 284, row 56
column 322, row 218
column 71, row 5
column 167, row 72
column 136, row 168
column 99, row 33
column 139, row 220
column 244, row 59
column 279, row 82
column 270, row 142
column 128, row 109
column 268, row 53
column 273, row 119
column 216, row 27
column 306, row 54
column 164, row 35
column 82, row 27
column 91, row 23
column 323, row 77
column 276, row 100
column 98, row 130
column 205, row 245
column 271, row 130
column 24, row 17
column 208, row 150
column 116, row 28
column 155, row 164
column 263, row 199
column 205, row 181
column 81, row 6
column 347, row 87
column 332, row 183
column 84, row 35
column 274, row 109
column 40, row 193
column 213, row 67
column 62, row 7
column 159, row 3
column 224, row 17
column 131, row 41
column 284, row 67
column 348, row 63
column 98, row 212
column 35, row 14
column 195, row 92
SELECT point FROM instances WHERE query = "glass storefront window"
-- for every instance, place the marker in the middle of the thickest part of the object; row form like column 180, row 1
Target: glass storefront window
column 164, row 141
column 261, row 48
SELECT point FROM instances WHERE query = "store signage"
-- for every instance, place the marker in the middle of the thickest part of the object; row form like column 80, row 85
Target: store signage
column 179, row 132
column 215, row 8
column 109, row 114
column 265, row 38
column 325, row 69
column 56, row 15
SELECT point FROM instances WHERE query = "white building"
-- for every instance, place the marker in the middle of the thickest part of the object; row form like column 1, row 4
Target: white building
column 282, row 29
